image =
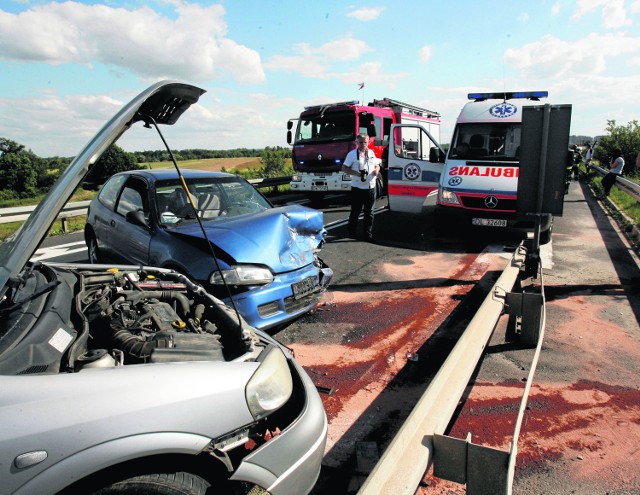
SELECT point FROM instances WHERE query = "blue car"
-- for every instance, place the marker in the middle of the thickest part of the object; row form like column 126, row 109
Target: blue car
column 221, row 232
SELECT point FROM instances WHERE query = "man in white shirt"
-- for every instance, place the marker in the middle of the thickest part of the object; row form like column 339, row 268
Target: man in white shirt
column 363, row 167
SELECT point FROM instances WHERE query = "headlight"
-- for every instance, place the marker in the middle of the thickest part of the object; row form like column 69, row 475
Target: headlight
column 448, row 197
column 296, row 178
column 243, row 275
column 270, row 386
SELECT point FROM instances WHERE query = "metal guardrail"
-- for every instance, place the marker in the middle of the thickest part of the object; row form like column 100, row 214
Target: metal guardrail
column 421, row 442
column 20, row 213
column 631, row 188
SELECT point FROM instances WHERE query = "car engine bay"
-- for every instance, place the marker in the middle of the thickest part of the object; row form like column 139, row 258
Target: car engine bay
column 69, row 319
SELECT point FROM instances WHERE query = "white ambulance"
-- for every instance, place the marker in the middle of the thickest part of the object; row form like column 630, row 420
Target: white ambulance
column 479, row 183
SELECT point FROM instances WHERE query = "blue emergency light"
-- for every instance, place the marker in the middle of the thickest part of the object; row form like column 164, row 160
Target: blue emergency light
column 533, row 95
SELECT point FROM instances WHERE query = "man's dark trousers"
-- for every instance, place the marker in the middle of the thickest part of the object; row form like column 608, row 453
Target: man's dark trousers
column 362, row 198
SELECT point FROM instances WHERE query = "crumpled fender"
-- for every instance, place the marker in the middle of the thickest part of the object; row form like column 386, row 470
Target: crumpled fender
column 283, row 238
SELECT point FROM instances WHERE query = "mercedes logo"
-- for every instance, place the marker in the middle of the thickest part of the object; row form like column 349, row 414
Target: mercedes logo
column 491, row 201
column 319, row 157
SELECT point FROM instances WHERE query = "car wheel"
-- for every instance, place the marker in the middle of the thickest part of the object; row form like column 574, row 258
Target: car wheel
column 92, row 249
column 179, row 483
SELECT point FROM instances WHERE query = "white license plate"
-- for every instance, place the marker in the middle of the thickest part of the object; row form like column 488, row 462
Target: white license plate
column 305, row 286
column 489, row 222
column 319, row 188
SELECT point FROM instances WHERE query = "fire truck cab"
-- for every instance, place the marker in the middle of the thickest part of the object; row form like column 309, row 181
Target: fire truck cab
column 479, row 184
column 326, row 133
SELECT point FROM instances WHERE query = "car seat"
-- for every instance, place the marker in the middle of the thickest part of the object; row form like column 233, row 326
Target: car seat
column 208, row 205
column 476, row 145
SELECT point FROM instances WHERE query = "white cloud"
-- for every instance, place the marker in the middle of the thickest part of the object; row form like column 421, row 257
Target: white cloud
column 614, row 13
column 586, row 73
column 425, row 53
column 634, row 7
column 366, row 13
column 141, row 41
column 315, row 62
column 553, row 58
column 555, row 9
column 524, row 17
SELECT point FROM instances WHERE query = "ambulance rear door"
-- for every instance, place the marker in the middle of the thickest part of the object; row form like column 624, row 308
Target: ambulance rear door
column 415, row 163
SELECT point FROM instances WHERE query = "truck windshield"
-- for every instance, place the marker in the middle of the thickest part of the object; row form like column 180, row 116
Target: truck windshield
column 328, row 126
column 486, row 141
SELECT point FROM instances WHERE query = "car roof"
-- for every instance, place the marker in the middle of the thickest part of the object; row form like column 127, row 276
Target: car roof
column 161, row 103
column 170, row 173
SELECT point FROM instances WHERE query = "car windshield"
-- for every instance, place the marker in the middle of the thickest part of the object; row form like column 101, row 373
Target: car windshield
column 486, row 141
column 215, row 198
column 326, row 126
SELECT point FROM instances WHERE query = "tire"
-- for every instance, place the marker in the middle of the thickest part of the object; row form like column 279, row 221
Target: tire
column 545, row 236
column 92, row 249
column 380, row 189
column 179, row 483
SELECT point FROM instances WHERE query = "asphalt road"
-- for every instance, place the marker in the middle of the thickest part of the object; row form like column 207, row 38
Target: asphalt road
column 396, row 307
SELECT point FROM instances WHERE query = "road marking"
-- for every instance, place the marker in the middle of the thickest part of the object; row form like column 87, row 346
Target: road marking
column 61, row 250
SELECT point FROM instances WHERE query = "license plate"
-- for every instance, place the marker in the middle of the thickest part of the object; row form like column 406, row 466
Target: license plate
column 304, row 287
column 319, row 188
column 489, row 222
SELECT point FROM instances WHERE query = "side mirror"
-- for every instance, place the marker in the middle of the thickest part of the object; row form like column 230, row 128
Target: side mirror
column 435, row 155
column 289, row 137
column 289, row 125
column 137, row 218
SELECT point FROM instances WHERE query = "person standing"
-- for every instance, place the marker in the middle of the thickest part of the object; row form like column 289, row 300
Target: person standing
column 363, row 167
column 587, row 159
column 615, row 170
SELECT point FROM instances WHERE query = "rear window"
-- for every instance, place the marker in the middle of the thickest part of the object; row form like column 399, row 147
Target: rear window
column 109, row 192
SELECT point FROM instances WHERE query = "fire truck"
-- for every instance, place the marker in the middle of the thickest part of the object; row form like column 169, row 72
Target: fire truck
column 326, row 133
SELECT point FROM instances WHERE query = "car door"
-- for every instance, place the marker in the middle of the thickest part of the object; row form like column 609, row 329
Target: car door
column 415, row 164
column 129, row 241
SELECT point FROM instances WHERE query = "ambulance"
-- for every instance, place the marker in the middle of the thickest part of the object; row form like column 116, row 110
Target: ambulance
column 479, row 182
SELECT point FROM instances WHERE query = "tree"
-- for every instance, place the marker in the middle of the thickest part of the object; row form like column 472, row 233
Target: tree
column 20, row 169
column 112, row 161
column 624, row 137
column 273, row 162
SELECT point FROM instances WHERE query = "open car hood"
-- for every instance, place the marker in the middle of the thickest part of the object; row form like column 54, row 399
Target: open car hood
column 162, row 103
column 282, row 238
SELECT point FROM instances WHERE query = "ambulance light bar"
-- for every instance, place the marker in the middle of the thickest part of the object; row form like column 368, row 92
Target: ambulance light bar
column 533, row 95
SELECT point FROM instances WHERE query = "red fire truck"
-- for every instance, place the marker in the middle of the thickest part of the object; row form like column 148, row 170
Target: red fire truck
column 326, row 133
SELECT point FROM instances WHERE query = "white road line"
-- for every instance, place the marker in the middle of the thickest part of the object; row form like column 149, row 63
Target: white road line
column 61, row 250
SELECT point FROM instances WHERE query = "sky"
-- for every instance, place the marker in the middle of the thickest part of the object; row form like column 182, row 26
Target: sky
column 67, row 67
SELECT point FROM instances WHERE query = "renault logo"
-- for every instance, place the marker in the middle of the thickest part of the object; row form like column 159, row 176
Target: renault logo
column 491, row 201
column 319, row 157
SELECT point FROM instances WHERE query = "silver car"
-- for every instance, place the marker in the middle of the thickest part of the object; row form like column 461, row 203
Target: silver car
column 134, row 379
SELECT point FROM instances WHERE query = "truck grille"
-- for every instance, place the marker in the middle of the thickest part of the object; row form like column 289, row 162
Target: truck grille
column 477, row 203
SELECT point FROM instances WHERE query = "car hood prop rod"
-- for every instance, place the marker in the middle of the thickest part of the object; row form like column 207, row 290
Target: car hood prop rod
column 151, row 121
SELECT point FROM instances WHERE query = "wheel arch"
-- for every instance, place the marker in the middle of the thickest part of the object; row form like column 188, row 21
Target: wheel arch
column 129, row 454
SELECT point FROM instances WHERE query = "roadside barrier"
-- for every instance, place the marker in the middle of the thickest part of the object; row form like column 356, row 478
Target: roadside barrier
column 76, row 209
column 421, row 442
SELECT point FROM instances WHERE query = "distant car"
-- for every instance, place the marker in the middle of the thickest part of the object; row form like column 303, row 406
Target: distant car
column 134, row 379
column 264, row 257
